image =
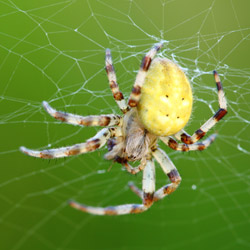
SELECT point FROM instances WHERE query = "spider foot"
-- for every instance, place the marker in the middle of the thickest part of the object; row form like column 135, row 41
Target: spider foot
column 45, row 154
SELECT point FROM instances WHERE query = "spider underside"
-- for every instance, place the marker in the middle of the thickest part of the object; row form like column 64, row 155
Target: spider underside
column 128, row 140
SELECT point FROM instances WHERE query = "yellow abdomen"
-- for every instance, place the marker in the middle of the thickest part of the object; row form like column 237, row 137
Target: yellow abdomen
column 166, row 101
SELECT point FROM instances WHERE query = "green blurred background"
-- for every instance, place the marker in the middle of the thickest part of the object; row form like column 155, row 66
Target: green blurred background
column 54, row 50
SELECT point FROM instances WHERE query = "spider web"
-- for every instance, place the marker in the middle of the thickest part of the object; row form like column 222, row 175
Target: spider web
column 54, row 51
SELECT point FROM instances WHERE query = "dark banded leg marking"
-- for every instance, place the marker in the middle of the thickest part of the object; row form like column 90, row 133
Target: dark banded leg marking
column 90, row 145
column 222, row 111
column 175, row 179
column 118, row 96
column 169, row 169
column 140, row 78
column 92, row 120
column 148, row 186
column 186, row 147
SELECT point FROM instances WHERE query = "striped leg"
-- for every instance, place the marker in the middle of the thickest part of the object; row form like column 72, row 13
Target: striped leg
column 92, row 120
column 140, row 78
column 90, row 145
column 198, row 134
column 170, row 170
column 148, row 186
column 113, row 83
column 185, row 147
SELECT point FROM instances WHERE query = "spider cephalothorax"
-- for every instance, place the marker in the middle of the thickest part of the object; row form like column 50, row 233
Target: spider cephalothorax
column 134, row 143
column 159, row 107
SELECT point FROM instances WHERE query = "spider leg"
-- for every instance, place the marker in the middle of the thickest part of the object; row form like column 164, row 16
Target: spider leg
column 148, row 186
column 118, row 96
column 134, row 170
column 90, row 145
column 92, row 120
column 170, row 142
column 140, row 78
column 135, row 189
column 170, row 170
column 178, row 135
column 222, row 111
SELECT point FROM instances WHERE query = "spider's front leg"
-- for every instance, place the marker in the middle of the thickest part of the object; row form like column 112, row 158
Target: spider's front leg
column 90, row 145
column 148, row 187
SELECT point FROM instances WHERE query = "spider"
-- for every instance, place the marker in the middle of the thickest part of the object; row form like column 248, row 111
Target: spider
column 159, row 106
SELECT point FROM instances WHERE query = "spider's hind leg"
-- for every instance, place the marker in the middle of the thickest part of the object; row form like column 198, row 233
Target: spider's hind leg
column 222, row 111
